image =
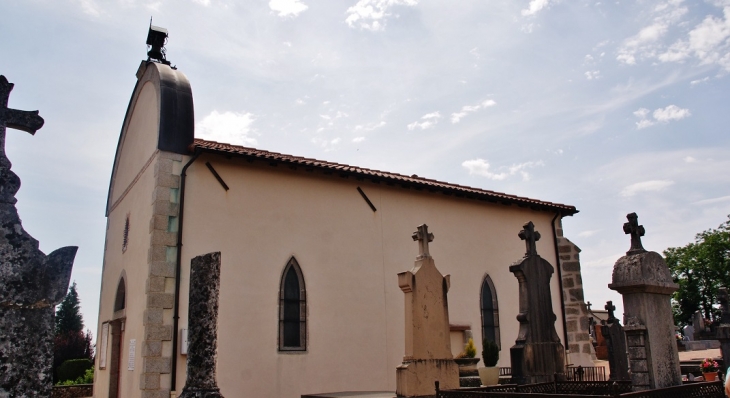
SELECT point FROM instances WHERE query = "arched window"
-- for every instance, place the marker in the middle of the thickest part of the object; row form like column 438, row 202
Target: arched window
column 292, row 309
column 490, row 311
column 121, row 298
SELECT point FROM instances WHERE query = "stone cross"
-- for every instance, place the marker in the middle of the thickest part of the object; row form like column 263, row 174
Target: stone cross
column 27, row 121
column 423, row 237
column 31, row 283
column 537, row 355
column 530, row 236
column 588, row 305
column 610, row 308
column 615, row 337
column 637, row 231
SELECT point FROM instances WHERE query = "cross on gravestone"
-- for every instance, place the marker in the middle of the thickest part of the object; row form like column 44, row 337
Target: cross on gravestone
column 637, row 231
column 610, row 308
column 423, row 237
column 588, row 305
column 27, row 121
column 530, row 236
column 31, row 283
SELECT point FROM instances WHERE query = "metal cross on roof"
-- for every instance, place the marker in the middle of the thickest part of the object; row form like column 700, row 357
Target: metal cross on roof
column 530, row 236
column 610, row 308
column 28, row 121
column 637, row 231
column 423, row 237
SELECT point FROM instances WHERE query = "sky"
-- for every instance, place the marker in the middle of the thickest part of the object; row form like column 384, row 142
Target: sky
column 611, row 106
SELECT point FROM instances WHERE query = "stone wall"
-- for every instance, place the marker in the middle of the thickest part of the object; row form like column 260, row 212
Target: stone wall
column 77, row 391
column 576, row 313
column 157, row 345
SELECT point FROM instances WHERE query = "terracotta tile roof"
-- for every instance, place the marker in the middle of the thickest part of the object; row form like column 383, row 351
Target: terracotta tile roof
column 414, row 181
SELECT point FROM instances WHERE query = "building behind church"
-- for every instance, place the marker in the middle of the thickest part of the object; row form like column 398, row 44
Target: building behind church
column 309, row 297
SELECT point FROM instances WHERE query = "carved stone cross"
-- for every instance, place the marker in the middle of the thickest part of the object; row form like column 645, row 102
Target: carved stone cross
column 610, row 308
column 28, row 121
column 530, row 236
column 423, row 237
column 637, row 231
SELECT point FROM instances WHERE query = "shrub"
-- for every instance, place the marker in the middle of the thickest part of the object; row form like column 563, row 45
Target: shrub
column 74, row 369
column 490, row 353
column 470, row 351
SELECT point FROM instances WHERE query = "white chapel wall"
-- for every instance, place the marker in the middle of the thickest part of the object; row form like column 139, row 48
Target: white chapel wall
column 350, row 257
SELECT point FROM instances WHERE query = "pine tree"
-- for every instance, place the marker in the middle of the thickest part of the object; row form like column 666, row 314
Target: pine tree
column 68, row 315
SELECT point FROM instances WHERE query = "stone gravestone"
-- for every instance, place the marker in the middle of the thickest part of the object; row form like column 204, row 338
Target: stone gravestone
column 723, row 330
column 537, row 354
column 644, row 281
column 428, row 345
column 698, row 325
column 205, row 281
column 31, row 283
column 688, row 332
column 618, row 362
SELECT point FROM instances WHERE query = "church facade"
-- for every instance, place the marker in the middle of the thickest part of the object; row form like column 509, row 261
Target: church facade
column 309, row 296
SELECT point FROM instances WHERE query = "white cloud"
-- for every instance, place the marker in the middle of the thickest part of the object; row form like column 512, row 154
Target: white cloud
column 372, row 14
column 712, row 201
column 90, row 7
column 660, row 115
column 698, row 81
column 586, row 234
column 370, row 126
column 287, row 8
column 228, row 127
column 689, row 159
column 535, row 6
column 204, row 3
column 647, row 42
column 467, row 109
column 646, row 186
column 358, row 139
column 590, row 75
column 671, row 112
column 482, row 168
column 326, row 144
column 428, row 120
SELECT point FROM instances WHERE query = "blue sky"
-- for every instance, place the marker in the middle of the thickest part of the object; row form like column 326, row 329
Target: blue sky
column 614, row 107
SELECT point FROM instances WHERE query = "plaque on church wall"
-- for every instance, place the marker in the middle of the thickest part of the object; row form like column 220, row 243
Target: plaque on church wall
column 104, row 345
column 132, row 348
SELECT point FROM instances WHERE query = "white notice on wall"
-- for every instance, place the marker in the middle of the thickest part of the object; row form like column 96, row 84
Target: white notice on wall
column 104, row 345
column 132, row 348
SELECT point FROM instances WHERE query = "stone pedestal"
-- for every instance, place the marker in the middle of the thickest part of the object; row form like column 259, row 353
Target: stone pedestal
column 644, row 281
column 428, row 346
column 537, row 354
column 203, row 327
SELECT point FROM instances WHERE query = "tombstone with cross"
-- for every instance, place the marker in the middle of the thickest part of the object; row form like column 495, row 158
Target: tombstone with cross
column 428, row 345
column 537, row 354
column 31, row 283
column 643, row 279
column 615, row 337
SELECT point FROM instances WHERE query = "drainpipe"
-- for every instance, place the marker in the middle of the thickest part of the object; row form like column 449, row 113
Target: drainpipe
column 178, row 262
column 560, row 280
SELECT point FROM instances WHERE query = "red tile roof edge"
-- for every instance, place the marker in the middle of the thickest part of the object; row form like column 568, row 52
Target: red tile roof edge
column 457, row 190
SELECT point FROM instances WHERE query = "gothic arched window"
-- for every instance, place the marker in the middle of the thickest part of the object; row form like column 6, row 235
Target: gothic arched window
column 490, row 311
column 292, row 309
column 120, row 301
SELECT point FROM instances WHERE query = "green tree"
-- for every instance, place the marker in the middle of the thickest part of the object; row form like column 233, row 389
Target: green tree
column 700, row 269
column 70, row 341
column 68, row 315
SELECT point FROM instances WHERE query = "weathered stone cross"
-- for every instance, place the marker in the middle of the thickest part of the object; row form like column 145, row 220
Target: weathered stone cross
column 27, row 121
column 530, row 236
column 610, row 308
column 423, row 237
column 637, row 231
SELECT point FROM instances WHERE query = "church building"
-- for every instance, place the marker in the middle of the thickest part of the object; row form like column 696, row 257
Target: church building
column 310, row 252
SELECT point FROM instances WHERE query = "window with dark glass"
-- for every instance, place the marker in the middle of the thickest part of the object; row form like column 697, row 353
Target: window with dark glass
column 292, row 309
column 490, row 311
